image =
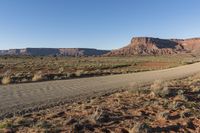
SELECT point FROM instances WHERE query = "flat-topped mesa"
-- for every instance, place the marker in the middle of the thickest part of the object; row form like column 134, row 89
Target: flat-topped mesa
column 148, row 46
column 55, row 51
column 82, row 52
column 142, row 39
column 150, row 41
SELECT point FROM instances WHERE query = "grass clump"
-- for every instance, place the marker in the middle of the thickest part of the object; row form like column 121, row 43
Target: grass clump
column 79, row 73
column 141, row 128
column 5, row 124
column 37, row 76
column 6, row 80
column 25, row 122
column 159, row 89
column 43, row 124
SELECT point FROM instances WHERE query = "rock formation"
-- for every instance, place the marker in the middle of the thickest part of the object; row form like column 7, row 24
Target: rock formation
column 156, row 46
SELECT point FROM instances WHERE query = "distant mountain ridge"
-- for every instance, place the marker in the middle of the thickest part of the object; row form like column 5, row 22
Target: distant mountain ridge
column 137, row 46
column 157, row 46
column 55, row 51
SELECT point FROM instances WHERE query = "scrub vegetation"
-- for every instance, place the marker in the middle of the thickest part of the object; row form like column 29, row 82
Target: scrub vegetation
column 22, row 69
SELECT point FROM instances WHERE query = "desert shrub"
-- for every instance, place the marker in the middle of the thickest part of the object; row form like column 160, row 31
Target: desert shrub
column 61, row 70
column 43, row 124
column 176, row 105
column 79, row 73
column 141, row 128
column 24, row 121
column 86, row 72
column 164, row 92
column 138, row 90
column 195, row 88
column 157, row 85
column 69, row 75
column 1, row 66
column 5, row 124
column 181, row 97
column 159, row 88
column 162, row 115
column 6, row 80
column 37, row 76
column 97, row 71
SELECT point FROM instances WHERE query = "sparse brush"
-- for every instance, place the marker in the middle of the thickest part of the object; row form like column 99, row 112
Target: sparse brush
column 176, row 105
column 157, row 85
column 159, row 88
column 164, row 92
column 195, row 89
column 140, row 128
column 69, row 75
column 181, row 97
column 37, row 76
column 162, row 115
column 6, row 80
column 24, row 121
column 138, row 90
column 61, row 70
column 79, row 73
column 5, row 124
column 43, row 124
column 186, row 113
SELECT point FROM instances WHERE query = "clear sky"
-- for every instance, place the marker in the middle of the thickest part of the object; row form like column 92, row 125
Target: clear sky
column 103, row 24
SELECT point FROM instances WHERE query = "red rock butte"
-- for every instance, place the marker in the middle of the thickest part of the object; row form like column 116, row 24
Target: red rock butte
column 157, row 46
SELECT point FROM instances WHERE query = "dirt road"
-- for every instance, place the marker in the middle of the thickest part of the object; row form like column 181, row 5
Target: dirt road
column 21, row 98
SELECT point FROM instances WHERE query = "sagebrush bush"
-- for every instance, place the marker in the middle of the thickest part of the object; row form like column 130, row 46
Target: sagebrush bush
column 159, row 88
column 37, row 76
column 6, row 80
column 141, row 128
column 79, row 73
column 61, row 70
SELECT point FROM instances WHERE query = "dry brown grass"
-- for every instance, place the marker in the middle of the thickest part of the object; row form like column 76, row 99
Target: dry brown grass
column 6, row 80
column 37, row 76
column 159, row 88
column 79, row 73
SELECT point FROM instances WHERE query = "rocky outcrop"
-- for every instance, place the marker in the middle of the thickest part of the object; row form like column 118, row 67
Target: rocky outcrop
column 54, row 51
column 156, row 46
column 192, row 45
column 82, row 52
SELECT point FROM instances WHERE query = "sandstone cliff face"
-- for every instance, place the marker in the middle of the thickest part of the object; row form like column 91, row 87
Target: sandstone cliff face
column 54, row 51
column 82, row 52
column 156, row 46
column 192, row 45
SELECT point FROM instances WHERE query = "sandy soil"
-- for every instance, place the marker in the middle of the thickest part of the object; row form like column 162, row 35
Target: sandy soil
column 22, row 98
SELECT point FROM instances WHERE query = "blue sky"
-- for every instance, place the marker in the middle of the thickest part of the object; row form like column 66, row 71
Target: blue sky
column 103, row 24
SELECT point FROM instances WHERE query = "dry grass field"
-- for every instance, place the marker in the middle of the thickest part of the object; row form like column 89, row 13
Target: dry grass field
column 30, row 69
column 171, row 106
